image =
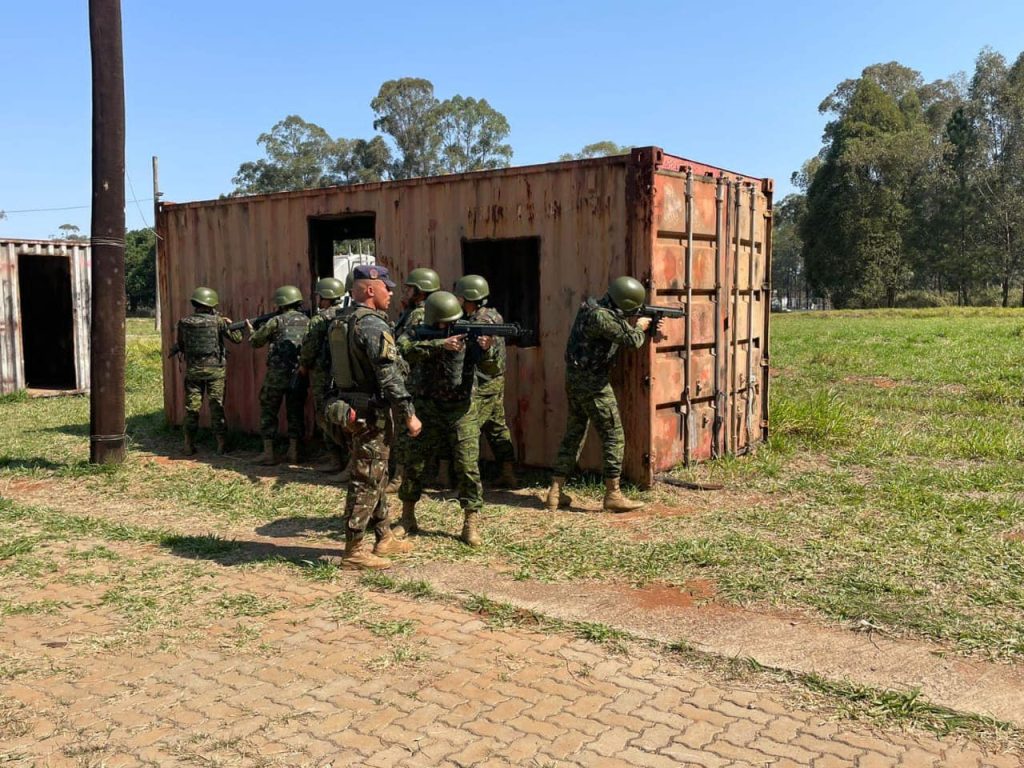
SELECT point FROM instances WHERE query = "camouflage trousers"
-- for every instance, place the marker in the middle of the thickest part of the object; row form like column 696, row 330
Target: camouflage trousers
column 318, row 384
column 590, row 404
column 490, row 413
column 367, row 503
column 448, row 428
column 212, row 385
column 275, row 389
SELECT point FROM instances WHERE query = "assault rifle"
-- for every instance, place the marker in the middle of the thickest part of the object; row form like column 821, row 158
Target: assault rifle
column 513, row 333
column 657, row 314
column 261, row 320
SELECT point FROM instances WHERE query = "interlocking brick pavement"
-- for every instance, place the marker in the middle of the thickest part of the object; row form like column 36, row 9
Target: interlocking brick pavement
column 299, row 686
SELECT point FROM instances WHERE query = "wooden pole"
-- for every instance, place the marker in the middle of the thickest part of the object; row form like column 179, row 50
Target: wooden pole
column 107, row 441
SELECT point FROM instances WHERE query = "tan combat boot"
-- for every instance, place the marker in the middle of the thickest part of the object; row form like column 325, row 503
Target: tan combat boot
column 333, row 463
column 346, row 473
column 267, row 459
column 222, row 445
column 614, row 501
column 190, row 445
column 508, row 477
column 293, row 451
column 444, row 474
column 470, row 534
column 407, row 525
column 389, row 543
column 556, row 496
column 358, row 556
column 396, row 480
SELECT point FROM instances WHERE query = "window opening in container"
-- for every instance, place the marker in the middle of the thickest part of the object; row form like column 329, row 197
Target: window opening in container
column 511, row 267
column 339, row 243
column 47, row 325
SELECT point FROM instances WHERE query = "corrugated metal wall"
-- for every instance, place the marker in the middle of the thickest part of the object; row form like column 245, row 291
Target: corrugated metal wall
column 12, row 370
column 594, row 219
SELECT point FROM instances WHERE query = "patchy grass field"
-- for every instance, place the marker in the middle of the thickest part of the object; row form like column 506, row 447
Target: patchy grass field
column 891, row 493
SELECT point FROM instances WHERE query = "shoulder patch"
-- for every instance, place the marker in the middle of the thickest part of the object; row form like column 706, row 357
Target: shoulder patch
column 387, row 347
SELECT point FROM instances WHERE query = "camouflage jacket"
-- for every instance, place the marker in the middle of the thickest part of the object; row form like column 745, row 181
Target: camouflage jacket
column 596, row 336
column 373, row 347
column 440, row 375
column 284, row 333
column 490, row 364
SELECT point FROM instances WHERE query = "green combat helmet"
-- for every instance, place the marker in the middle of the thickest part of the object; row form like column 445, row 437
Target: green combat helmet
column 287, row 295
column 328, row 288
column 441, row 307
column 472, row 288
column 424, row 279
column 627, row 294
column 205, row 297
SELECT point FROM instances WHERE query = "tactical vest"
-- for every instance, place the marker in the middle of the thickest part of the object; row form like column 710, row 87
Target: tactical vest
column 284, row 352
column 585, row 351
column 348, row 367
column 200, row 334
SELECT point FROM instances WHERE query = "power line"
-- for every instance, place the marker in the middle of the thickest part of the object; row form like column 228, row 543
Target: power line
column 66, row 208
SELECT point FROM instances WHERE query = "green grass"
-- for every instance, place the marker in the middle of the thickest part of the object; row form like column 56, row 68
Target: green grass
column 890, row 491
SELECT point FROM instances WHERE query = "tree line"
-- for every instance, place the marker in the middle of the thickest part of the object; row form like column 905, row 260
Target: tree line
column 917, row 194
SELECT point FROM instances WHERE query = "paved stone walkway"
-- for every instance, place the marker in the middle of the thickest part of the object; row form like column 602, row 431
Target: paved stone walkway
column 306, row 672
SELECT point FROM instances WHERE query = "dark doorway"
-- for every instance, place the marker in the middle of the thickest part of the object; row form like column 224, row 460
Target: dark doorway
column 345, row 239
column 44, row 287
column 512, row 269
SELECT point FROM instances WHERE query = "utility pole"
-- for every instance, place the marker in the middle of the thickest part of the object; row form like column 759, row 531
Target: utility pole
column 107, row 441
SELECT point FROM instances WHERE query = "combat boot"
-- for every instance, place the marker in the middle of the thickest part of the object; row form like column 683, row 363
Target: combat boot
column 407, row 525
column 396, row 479
column 444, row 474
column 333, row 463
column 267, row 459
column 470, row 534
column 293, row 450
column 190, row 444
column 508, row 477
column 556, row 496
column 389, row 544
column 614, row 501
column 346, row 473
column 222, row 445
column 358, row 556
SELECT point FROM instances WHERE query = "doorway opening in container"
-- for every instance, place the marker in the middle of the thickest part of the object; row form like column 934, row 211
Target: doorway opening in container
column 44, row 287
column 511, row 267
column 339, row 243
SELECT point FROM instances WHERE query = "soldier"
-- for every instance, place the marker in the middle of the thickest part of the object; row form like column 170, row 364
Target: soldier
column 473, row 291
column 366, row 371
column 446, row 372
column 284, row 333
column 315, row 359
column 200, row 340
column 600, row 328
column 420, row 283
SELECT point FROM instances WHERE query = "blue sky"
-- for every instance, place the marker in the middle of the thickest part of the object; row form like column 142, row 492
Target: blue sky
column 732, row 84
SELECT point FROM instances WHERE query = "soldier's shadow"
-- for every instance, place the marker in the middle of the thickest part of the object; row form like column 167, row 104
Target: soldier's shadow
column 236, row 552
column 291, row 527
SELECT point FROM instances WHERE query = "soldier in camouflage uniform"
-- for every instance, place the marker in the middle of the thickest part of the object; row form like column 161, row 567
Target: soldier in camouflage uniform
column 420, row 283
column 600, row 329
column 315, row 362
column 444, row 400
column 473, row 291
column 200, row 341
column 365, row 365
column 284, row 333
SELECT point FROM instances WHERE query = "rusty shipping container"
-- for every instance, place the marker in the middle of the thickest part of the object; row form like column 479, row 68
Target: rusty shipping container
column 44, row 315
column 546, row 237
